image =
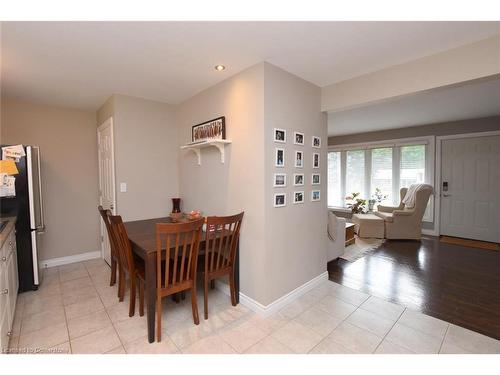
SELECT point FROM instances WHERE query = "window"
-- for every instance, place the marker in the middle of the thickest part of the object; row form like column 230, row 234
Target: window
column 388, row 166
column 381, row 173
column 334, row 187
column 355, row 172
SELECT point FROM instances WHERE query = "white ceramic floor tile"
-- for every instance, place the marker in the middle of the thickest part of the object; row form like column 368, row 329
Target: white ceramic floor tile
column 209, row 345
column 86, row 324
column 269, row 324
column 355, row 339
column 383, row 308
column 73, row 275
column 142, row 346
column 352, row 296
column 330, row 346
column 64, row 348
column 38, row 305
column 471, row 341
column 269, row 345
column 336, row 307
column 424, row 323
column 44, row 319
column 371, row 322
column 298, row 306
column 448, row 348
column 78, row 295
column 117, row 350
column 387, row 347
column 70, row 286
column 101, row 341
column 186, row 333
column 132, row 328
column 414, row 340
column 318, row 320
column 297, row 337
column 83, row 307
column 44, row 338
column 242, row 336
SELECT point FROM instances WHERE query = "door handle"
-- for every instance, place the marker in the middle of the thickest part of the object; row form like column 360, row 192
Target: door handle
column 446, row 195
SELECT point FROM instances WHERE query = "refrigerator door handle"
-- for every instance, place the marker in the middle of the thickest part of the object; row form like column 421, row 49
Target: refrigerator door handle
column 41, row 227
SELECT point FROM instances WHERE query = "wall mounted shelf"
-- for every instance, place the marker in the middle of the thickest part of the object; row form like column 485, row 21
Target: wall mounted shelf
column 220, row 144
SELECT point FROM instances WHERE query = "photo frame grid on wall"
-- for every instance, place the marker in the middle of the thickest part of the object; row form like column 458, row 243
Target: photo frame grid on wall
column 279, row 135
column 299, row 159
column 316, row 142
column 298, row 138
column 298, row 197
column 279, row 180
column 316, row 159
column 279, row 200
column 315, row 179
column 298, row 179
column 279, row 159
column 315, row 195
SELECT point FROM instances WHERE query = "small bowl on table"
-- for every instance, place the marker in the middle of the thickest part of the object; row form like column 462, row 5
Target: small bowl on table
column 193, row 215
column 176, row 216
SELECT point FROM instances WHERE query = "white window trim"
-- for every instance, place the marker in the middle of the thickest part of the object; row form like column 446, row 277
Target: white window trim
column 430, row 159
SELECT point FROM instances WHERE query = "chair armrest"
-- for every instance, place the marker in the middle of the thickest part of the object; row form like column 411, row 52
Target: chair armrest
column 403, row 212
column 342, row 221
column 386, row 208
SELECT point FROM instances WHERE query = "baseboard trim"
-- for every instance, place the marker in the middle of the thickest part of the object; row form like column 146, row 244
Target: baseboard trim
column 430, row 232
column 275, row 306
column 54, row 262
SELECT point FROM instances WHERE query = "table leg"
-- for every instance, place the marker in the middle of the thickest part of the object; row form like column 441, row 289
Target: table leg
column 237, row 274
column 151, row 295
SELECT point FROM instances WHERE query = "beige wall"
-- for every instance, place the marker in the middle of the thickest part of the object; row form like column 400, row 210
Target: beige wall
column 470, row 62
column 295, row 234
column 146, row 152
column 67, row 140
column 238, row 184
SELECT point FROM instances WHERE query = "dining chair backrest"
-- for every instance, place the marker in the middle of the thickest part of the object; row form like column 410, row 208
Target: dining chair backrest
column 177, row 255
column 123, row 246
column 222, row 236
column 105, row 214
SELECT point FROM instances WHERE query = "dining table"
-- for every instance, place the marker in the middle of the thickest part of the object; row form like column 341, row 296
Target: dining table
column 142, row 236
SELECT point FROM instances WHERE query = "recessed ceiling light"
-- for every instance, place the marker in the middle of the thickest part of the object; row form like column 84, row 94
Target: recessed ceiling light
column 220, row 68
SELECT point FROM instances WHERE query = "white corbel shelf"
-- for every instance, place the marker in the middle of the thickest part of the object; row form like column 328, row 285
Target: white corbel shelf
column 220, row 144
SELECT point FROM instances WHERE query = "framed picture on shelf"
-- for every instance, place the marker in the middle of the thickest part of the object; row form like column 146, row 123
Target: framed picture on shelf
column 298, row 138
column 279, row 180
column 298, row 197
column 298, row 179
column 315, row 195
column 280, row 200
column 213, row 129
column 315, row 160
column 279, row 158
column 299, row 159
column 316, row 142
column 315, row 179
column 279, row 135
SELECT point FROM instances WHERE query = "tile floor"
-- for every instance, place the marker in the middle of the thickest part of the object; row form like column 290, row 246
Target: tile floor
column 76, row 311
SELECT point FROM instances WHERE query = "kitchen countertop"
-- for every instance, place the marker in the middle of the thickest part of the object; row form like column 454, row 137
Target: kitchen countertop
column 4, row 234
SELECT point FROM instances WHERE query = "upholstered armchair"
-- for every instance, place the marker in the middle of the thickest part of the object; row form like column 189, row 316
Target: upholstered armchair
column 402, row 222
column 336, row 236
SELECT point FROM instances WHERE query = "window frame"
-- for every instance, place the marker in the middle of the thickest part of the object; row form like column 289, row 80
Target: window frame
column 395, row 144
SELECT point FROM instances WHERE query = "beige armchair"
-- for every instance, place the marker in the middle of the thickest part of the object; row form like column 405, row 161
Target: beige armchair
column 402, row 222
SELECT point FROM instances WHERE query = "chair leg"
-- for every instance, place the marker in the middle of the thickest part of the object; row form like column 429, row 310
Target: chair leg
column 112, row 281
column 212, row 284
column 141, row 298
column 205, row 297
column 158, row 319
column 131, row 310
column 232, row 287
column 121, row 284
column 183, row 295
column 194, row 306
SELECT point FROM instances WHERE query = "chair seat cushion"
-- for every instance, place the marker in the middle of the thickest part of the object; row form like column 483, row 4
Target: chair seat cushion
column 387, row 216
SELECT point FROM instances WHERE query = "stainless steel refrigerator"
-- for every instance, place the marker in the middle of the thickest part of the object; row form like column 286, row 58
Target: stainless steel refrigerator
column 27, row 206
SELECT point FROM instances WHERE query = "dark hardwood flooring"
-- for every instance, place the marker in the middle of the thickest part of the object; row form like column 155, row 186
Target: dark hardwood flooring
column 458, row 284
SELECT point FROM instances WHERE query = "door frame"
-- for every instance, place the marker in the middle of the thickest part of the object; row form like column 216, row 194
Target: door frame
column 107, row 123
column 437, row 187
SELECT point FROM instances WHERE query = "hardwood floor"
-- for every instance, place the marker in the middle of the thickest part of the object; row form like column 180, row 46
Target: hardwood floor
column 454, row 283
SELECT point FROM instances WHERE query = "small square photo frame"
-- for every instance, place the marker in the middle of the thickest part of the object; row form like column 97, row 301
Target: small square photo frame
column 315, row 196
column 279, row 180
column 315, row 160
column 279, row 200
column 298, row 197
column 299, row 159
column 298, row 138
column 315, row 179
column 279, row 135
column 316, row 142
column 298, row 179
column 279, row 158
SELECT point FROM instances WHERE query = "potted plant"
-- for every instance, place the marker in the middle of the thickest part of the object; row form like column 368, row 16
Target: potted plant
column 377, row 197
column 357, row 205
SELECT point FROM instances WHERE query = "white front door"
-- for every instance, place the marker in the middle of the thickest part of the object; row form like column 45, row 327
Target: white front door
column 470, row 188
column 107, row 193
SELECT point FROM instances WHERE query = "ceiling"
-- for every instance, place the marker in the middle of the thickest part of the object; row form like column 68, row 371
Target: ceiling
column 80, row 64
column 474, row 100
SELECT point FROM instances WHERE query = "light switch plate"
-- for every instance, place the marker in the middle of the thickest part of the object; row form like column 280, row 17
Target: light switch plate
column 123, row 187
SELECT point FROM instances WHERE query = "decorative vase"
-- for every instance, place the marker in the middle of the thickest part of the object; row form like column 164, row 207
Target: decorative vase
column 176, row 205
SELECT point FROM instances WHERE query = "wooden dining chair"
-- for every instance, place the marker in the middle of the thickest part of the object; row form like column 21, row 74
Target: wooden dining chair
column 129, row 265
column 222, row 236
column 176, row 261
column 115, row 263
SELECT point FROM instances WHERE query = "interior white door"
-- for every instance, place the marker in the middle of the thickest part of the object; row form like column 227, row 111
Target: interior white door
column 107, row 193
column 470, row 188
